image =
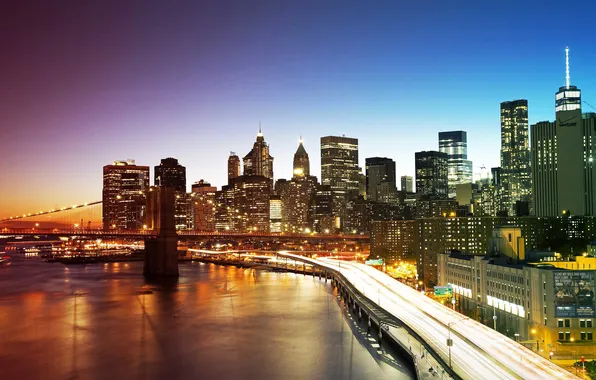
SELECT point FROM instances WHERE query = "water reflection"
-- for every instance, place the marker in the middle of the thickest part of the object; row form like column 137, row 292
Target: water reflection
column 105, row 321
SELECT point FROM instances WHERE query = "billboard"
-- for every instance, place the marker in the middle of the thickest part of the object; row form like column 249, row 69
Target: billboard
column 574, row 293
column 442, row 291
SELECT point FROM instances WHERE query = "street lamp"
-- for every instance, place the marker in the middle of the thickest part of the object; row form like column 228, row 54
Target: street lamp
column 449, row 341
column 533, row 332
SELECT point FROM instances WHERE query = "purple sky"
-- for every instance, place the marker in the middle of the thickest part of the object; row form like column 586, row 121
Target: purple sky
column 85, row 83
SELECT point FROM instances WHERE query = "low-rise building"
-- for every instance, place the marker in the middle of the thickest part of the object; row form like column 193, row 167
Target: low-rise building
column 539, row 300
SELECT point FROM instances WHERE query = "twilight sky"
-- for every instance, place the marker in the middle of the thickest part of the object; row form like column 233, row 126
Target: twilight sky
column 85, row 83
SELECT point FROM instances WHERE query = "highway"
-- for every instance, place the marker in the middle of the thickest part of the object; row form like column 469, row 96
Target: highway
column 478, row 352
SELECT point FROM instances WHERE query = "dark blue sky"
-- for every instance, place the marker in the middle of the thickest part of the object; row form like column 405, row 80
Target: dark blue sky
column 86, row 84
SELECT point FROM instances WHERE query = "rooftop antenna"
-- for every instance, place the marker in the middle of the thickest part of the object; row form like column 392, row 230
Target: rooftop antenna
column 567, row 79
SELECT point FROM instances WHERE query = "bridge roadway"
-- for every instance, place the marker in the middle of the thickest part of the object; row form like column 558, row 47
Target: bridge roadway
column 477, row 352
column 182, row 235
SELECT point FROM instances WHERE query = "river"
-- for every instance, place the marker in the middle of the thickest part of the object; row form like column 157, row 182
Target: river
column 105, row 321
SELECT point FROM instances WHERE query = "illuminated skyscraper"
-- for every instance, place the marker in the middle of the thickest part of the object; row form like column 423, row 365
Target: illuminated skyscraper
column 459, row 168
column 431, row 174
column 233, row 166
column 516, row 177
column 258, row 161
column 296, row 195
column 301, row 162
column 124, row 195
column 563, row 152
column 275, row 213
column 340, row 170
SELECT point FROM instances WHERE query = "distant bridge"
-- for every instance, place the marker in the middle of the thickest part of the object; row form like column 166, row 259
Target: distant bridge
column 85, row 221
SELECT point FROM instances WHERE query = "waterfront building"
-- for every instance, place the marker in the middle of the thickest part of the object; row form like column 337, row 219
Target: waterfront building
column 124, row 195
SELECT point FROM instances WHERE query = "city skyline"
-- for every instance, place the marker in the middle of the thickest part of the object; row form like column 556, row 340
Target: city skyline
column 78, row 115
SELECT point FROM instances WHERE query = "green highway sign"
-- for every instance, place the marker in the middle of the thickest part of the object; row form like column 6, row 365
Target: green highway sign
column 444, row 291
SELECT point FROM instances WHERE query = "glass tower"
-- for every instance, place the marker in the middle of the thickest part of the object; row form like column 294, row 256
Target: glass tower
column 459, row 168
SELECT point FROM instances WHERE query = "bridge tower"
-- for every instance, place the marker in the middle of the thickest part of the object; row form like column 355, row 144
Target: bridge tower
column 161, row 253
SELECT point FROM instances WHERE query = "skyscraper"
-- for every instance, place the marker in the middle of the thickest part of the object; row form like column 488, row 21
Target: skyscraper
column 169, row 173
column 407, row 184
column 296, row 194
column 459, row 170
column 258, row 161
column 301, row 162
column 516, row 176
column 563, row 151
column 233, row 166
column 378, row 170
column 431, row 174
column 124, row 195
column 340, row 171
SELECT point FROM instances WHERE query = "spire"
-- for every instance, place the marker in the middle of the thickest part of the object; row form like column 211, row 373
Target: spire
column 260, row 134
column 300, row 141
column 567, row 78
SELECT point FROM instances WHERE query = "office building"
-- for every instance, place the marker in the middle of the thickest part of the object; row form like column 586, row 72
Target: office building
column 258, row 161
column 431, row 174
column 233, row 166
column 275, row 221
column 340, row 171
column 407, row 184
column 516, row 176
column 379, row 170
column 124, row 195
column 459, row 168
column 296, row 194
column 563, row 158
column 204, row 206
column 251, row 203
column 393, row 240
column 169, row 173
column 321, row 211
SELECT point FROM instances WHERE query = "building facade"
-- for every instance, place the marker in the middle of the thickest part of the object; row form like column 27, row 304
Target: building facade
column 124, row 195
column 233, row 166
column 379, row 170
column 459, row 168
column 431, row 174
column 407, row 184
column 542, row 302
column 204, row 206
column 340, row 171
